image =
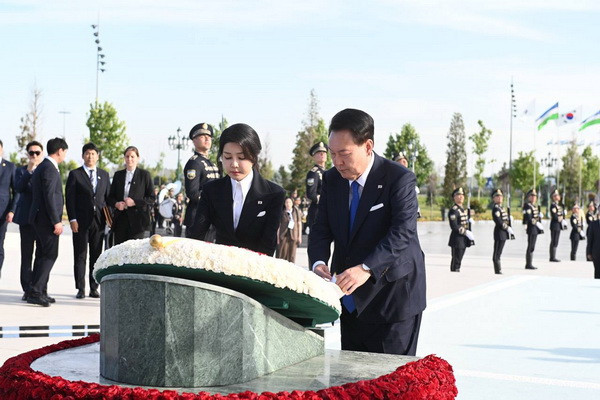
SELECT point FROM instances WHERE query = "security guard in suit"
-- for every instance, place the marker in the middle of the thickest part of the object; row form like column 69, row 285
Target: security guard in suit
column 557, row 224
column 577, row 233
column 502, row 229
column 460, row 237
column 591, row 215
column 314, row 179
column 531, row 218
column 198, row 171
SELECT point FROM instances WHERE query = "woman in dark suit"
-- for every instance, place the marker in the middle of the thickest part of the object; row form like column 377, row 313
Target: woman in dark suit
column 244, row 207
column 132, row 196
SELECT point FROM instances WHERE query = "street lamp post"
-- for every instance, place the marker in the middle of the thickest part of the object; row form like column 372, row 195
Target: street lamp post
column 178, row 143
column 100, row 62
column 513, row 114
column 64, row 113
column 548, row 162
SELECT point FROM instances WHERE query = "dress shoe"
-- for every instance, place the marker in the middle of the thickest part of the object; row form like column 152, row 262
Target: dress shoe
column 39, row 300
column 48, row 298
column 24, row 298
column 80, row 294
column 554, row 260
column 530, row 267
column 498, row 272
column 94, row 293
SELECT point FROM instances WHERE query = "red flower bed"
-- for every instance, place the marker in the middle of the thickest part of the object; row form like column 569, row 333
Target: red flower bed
column 428, row 378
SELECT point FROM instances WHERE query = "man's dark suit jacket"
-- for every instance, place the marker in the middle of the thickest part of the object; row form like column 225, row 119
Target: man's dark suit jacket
column 8, row 195
column 259, row 220
column 82, row 203
column 23, row 187
column 47, row 196
column 384, row 238
column 593, row 241
column 142, row 193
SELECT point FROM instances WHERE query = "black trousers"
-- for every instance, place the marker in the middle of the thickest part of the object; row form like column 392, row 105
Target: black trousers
column 498, row 247
column 122, row 233
column 596, row 269
column 574, row 246
column 27, row 233
column 93, row 237
column 457, row 256
column 392, row 338
column 177, row 228
column 531, row 239
column 46, row 253
column 3, row 226
column 554, row 236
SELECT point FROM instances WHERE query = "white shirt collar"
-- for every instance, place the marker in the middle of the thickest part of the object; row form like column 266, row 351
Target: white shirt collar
column 87, row 169
column 245, row 183
column 53, row 162
column 128, row 172
column 362, row 179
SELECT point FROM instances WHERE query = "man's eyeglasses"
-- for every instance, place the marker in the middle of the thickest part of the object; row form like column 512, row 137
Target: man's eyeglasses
column 34, row 153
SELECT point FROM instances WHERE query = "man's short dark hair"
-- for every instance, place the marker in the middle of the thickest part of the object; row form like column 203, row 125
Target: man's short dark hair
column 54, row 145
column 34, row 143
column 359, row 123
column 1, row 144
column 89, row 146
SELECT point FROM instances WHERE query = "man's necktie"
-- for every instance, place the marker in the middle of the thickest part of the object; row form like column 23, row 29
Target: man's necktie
column 238, row 202
column 348, row 300
column 92, row 179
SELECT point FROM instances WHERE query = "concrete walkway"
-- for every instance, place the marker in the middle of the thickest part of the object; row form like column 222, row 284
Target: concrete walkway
column 520, row 335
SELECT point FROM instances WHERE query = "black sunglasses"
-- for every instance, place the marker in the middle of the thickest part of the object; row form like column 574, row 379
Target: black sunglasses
column 34, row 153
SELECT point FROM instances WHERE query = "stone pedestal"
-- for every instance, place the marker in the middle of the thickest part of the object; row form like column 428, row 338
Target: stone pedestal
column 170, row 332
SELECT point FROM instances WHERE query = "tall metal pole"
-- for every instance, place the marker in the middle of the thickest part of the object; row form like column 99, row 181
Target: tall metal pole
column 64, row 113
column 512, row 115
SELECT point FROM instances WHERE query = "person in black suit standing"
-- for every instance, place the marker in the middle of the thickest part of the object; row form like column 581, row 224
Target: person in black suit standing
column 460, row 235
column 132, row 195
column 46, row 216
column 502, row 229
column 86, row 193
column 8, row 198
column 26, row 230
column 368, row 208
column 557, row 223
column 244, row 207
column 593, row 246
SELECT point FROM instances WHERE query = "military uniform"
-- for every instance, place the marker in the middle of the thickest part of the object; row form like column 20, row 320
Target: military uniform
column 590, row 217
column 502, row 231
column 532, row 218
column 198, row 171
column 557, row 224
column 314, row 181
column 576, row 233
column 459, row 225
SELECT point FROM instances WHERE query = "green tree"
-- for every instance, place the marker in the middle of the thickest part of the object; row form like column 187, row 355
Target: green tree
column 214, row 147
column 455, row 172
column 265, row 166
column 591, row 170
column 480, row 145
column 409, row 142
column 107, row 132
column 283, row 178
column 313, row 131
column 569, row 175
column 521, row 174
column 65, row 167
column 30, row 124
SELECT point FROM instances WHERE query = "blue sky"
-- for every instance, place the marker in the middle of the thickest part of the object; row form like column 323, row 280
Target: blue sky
column 175, row 63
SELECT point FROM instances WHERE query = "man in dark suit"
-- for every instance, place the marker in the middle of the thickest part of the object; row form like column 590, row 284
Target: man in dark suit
column 8, row 198
column 593, row 246
column 26, row 230
column 368, row 208
column 86, row 193
column 46, row 216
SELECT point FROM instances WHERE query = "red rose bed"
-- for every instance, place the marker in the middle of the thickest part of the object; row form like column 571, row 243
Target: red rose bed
column 428, row 378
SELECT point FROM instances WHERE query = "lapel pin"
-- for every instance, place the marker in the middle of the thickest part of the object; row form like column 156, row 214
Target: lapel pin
column 99, row 178
column 260, row 202
column 4, row 164
column 379, row 186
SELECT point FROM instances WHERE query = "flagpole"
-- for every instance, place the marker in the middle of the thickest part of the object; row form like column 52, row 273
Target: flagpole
column 580, row 171
column 512, row 115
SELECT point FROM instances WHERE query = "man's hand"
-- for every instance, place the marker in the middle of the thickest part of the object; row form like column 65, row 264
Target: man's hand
column 120, row 205
column 589, row 257
column 74, row 226
column 58, row 228
column 352, row 278
column 9, row 216
column 129, row 202
column 323, row 271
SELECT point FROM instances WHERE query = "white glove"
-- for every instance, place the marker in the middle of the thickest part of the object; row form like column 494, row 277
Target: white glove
column 469, row 235
column 510, row 231
column 471, row 221
column 564, row 224
column 582, row 235
column 512, row 220
column 539, row 225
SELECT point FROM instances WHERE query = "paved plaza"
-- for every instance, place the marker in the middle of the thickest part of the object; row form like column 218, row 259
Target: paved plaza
column 520, row 335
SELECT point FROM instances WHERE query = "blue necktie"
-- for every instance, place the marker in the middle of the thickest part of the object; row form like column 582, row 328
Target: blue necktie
column 348, row 300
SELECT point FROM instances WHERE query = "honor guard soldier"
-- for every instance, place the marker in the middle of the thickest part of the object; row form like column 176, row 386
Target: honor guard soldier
column 460, row 237
column 314, row 180
column 557, row 224
column 531, row 218
column 502, row 229
column 198, row 171
column 577, row 233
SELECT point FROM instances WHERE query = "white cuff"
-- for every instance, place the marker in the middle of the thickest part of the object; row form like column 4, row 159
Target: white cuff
column 317, row 263
column 73, row 220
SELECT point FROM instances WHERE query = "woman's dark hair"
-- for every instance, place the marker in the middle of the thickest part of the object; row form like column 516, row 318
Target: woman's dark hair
column 89, row 146
column 34, row 143
column 359, row 123
column 246, row 137
column 131, row 148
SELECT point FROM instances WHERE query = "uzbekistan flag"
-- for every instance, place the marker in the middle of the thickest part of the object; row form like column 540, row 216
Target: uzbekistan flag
column 569, row 117
column 589, row 121
column 549, row 115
